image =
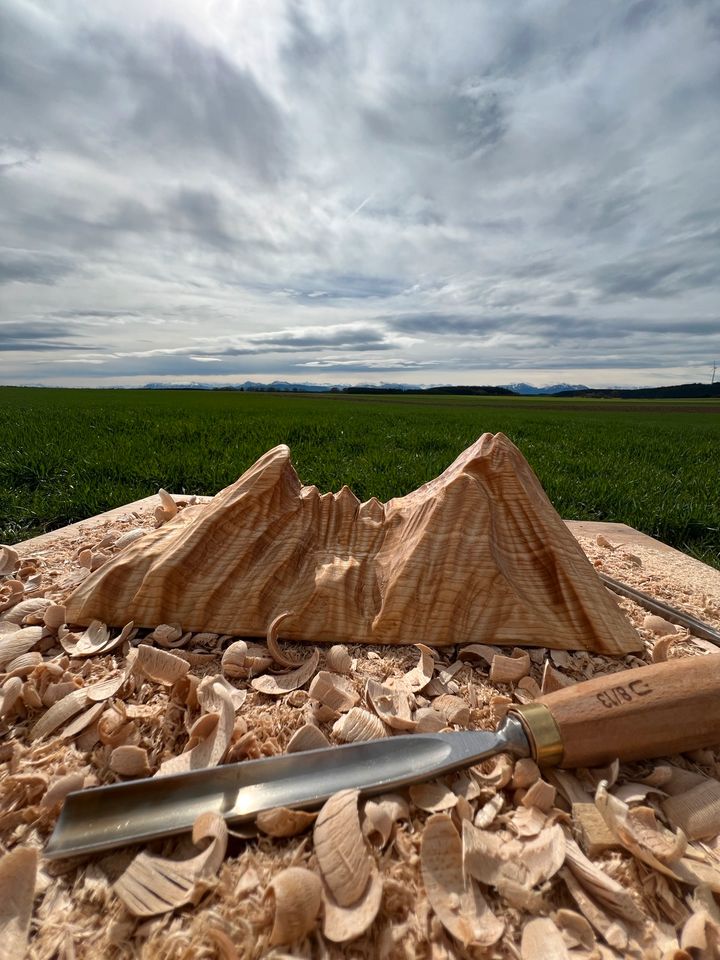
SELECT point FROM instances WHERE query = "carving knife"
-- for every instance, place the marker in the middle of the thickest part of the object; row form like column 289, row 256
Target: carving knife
column 635, row 714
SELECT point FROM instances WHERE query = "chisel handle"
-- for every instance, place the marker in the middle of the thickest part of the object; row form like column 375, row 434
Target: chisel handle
column 652, row 711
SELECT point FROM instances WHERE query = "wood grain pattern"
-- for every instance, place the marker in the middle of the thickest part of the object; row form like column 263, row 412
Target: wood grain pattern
column 477, row 555
column 653, row 711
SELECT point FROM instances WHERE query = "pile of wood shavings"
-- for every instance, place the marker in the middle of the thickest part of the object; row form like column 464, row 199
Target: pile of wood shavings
column 497, row 861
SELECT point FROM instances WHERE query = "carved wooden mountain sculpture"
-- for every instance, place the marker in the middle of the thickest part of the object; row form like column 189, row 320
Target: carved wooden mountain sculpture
column 478, row 555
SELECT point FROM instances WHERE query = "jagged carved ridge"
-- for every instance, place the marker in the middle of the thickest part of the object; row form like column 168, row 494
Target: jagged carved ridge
column 476, row 555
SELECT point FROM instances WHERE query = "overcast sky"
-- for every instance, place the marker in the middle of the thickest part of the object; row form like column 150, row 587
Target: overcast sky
column 342, row 192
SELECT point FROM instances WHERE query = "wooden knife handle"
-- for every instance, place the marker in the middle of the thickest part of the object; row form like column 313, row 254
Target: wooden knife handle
column 651, row 711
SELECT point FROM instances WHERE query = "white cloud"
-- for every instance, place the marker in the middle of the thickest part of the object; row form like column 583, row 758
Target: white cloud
column 522, row 186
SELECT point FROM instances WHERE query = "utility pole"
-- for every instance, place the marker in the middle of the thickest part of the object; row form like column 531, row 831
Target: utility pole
column 714, row 369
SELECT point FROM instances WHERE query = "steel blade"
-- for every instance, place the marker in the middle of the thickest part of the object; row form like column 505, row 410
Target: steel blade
column 106, row 817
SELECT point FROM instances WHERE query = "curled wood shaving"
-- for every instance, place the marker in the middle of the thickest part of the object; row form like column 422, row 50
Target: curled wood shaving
column 130, row 761
column 104, row 689
column 10, row 694
column 203, row 727
column 494, row 859
column 527, row 690
column 541, row 795
column 8, row 560
column 661, row 649
column 95, row 640
column 84, row 720
column 702, row 929
column 54, row 616
column 612, row 895
column 234, row 659
column 24, row 664
column 237, row 695
column 344, row 923
column 340, row 848
column 114, row 729
column 282, row 822
column 428, row 720
column 498, row 776
column 59, row 713
column 166, row 635
column 307, row 737
column 271, row 638
column 359, row 724
column 125, row 539
column 660, row 627
column 576, row 930
column 209, row 752
column 338, row 659
column 643, row 836
column 476, row 651
column 297, row 893
column 167, row 502
column 701, row 933
column 421, row 674
column 91, row 641
column 432, row 796
column 152, row 885
column 159, row 665
column 276, row 686
column 59, row 788
column 333, row 691
column 381, row 815
column 491, row 858
column 454, row 709
column 613, row 931
column 18, row 870
column 487, row 813
column 466, row 786
column 569, row 786
column 394, row 707
column 27, row 608
column 13, row 645
column 541, row 940
column 544, row 855
column 697, row 811
column 552, row 679
column 454, row 897
column 526, row 821
column 525, row 773
column 510, row 669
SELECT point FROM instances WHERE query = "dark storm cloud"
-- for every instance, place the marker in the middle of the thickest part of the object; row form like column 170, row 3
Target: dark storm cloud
column 344, row 287
column 657, row 280
column 552, row 327
column 21, row 267
column 85, row 315
column 35, row 337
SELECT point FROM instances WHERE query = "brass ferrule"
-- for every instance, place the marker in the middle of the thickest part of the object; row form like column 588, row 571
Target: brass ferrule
column 542, row 732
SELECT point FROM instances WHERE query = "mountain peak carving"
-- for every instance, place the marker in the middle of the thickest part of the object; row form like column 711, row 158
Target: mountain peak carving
column 477, row 555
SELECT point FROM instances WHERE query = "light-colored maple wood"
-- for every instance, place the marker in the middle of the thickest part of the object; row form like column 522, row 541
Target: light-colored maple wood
column 477, row 555
column 594, row 834
column 652, row 711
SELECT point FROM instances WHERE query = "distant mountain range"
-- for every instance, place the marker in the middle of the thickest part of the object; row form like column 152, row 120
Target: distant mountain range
column 528, row 390
column 677, row 391
column 284, row 386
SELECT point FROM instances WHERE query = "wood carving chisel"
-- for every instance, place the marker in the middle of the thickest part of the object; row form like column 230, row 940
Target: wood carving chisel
column 647, row 712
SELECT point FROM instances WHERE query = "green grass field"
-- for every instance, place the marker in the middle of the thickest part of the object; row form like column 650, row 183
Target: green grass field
column 69, row 454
